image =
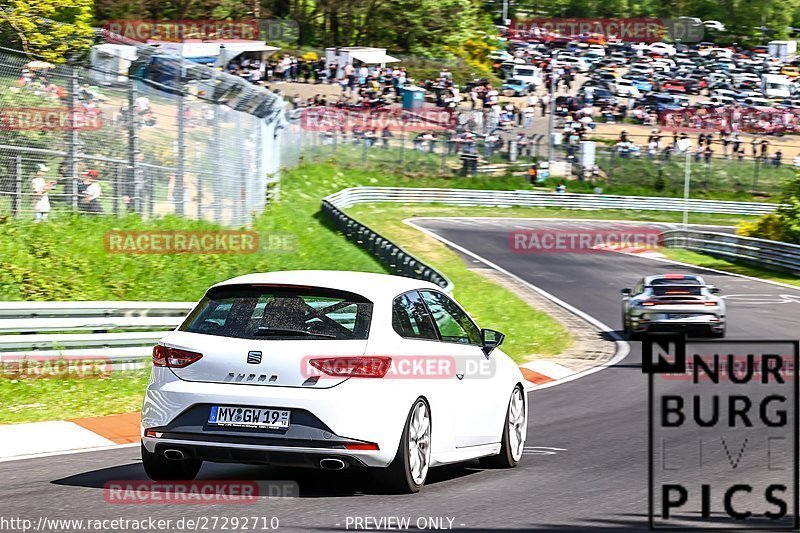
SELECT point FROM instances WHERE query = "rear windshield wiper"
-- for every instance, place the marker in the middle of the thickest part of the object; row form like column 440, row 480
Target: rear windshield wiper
column 265, row 331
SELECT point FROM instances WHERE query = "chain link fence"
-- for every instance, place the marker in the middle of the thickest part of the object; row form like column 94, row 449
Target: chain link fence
column 139, row 132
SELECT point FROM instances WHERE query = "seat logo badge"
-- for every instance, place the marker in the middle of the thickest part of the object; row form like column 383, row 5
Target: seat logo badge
column 460, row 375
column 253, row 358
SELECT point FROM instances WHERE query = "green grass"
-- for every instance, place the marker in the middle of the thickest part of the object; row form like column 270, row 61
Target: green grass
column 529, row 331
column 34, row 400
column 66, row 259
column 704, row 260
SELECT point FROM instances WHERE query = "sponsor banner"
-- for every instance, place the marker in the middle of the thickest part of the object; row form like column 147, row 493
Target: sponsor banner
column 50, row 119
column 236, row 492
column 334, row 119
column 179, row 30
column 745, row 120
column 198, row 242
column 584, row 241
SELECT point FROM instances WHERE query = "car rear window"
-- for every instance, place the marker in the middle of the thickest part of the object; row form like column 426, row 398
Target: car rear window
column 677, row 290
column 280, row 313
column 675, row 282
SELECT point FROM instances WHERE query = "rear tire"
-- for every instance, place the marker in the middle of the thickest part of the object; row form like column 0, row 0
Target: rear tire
column 159, row 468
column 409, row 469
column 514, row 433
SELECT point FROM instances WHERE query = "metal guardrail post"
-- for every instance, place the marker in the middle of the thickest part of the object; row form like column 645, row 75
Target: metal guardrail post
column 16, row 206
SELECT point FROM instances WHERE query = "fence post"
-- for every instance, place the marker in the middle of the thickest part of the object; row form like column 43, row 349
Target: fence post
column 117, row 189
column 16, row 209
column 72, row 134
column 133, row 148
column 178, row 192
column 217, row 156
column 198, row 172
column 402, row 139
column 755, row 175
column 444, row 155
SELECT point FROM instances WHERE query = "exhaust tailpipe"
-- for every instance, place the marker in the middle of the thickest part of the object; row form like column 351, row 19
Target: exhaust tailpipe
column 329, row 463
column 174, row 455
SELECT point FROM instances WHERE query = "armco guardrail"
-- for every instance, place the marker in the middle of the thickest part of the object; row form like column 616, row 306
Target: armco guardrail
column 81, row 329
column 759, row 252
column 401, row 262
column 392, row 256
column 525, row 198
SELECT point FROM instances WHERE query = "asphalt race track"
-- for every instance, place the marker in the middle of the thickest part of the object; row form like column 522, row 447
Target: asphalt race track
column 586, row 462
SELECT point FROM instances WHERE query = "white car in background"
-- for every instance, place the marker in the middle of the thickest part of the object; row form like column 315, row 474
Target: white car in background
column 331, row 370
column 624, row 87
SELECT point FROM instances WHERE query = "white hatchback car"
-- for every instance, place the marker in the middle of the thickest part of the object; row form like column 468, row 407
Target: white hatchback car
column 331, row 370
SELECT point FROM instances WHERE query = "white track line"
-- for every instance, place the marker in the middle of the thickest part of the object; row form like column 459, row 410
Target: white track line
column 623, row 348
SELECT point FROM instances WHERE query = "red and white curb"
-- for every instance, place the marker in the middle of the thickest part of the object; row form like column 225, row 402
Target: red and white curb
column 542, row 371
column 639, row 251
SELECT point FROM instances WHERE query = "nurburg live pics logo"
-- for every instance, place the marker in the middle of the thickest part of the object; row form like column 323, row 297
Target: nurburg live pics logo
column 723, row 440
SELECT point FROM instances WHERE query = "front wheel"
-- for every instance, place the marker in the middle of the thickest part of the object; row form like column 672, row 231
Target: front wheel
column 514, row 432
column 159, row 468
column 408, row 471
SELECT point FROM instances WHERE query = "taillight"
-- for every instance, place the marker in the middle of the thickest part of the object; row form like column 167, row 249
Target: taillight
column 356, row 367
column 647, row 303
column 710, row 304
column 361, row 446
column 173, row 357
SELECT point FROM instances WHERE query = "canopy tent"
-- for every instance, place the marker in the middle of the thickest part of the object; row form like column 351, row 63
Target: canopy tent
column 230, row 51
column 373, row 57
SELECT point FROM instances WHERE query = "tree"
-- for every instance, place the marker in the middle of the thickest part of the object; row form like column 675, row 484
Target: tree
column 50, row 29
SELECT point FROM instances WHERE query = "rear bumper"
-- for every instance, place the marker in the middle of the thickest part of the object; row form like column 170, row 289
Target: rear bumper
column 701, row 324
column 293, row 456
column 322, row 421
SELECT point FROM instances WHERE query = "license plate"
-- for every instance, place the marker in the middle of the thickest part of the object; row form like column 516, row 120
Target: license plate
column 248, row 417
column 673, row 315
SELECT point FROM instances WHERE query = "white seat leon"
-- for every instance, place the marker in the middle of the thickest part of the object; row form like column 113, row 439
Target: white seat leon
column 331, row 370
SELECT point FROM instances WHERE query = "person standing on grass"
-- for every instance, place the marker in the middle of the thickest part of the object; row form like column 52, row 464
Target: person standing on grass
column 40, row 186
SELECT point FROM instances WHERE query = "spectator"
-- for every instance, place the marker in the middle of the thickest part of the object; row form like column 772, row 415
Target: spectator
column 40, row 186
column 776, row 159
column 91, row 193
column 545, row 101
column 532, row 174
column 528, row 114
column 561, row 188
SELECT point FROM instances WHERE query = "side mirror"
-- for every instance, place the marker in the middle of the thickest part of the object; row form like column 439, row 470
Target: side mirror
column 491, row 339
column 626, row 292
column 713, row 290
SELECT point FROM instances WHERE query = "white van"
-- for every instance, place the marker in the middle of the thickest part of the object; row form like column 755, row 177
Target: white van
column 777, row 86
column 529, row 74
